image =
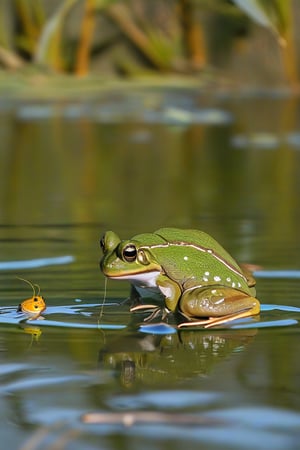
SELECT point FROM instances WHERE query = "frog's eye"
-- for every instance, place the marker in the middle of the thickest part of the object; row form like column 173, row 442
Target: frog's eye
column 129, row 253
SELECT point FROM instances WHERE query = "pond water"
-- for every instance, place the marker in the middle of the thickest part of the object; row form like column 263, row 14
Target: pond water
column 93, row 375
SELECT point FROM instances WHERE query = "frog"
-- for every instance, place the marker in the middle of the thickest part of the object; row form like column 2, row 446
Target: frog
column 194, row 274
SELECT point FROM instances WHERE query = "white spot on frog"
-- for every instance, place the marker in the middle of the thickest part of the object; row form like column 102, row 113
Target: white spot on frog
column 186, row 258
column 217, row 278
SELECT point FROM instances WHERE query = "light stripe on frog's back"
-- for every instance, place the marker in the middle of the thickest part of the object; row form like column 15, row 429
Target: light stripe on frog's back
column 211, row 252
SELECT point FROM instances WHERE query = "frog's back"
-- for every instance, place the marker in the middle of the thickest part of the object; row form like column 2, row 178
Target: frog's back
column 197, row 238
column 206, row 263
column 194, row 237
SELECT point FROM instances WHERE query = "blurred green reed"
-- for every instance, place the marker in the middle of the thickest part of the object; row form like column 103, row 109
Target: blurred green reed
column 137, row 36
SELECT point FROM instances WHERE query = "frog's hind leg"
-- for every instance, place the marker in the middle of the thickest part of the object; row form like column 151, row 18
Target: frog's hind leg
column 220, row 306
column 215, row 321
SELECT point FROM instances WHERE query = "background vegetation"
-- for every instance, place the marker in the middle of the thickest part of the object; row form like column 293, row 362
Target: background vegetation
column 249, row 40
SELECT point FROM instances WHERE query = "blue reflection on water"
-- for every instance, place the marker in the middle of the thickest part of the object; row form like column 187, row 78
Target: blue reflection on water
column 35, row 263
column 280, row 308
column 291, row 274
column 157, row 328
column 93, row 326
column 269, row 324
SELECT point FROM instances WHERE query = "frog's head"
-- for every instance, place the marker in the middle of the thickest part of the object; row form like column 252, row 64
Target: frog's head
column 129, row 259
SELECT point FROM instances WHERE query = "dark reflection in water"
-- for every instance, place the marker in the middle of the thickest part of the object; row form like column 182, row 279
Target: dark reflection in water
column 132, row 164
column 166, row 360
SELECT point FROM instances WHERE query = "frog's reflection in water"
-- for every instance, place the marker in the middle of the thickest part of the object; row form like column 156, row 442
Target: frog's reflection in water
column 150, row 359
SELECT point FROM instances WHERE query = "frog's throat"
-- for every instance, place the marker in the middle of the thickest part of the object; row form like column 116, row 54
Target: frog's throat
column 211, row 252
column 144, row 279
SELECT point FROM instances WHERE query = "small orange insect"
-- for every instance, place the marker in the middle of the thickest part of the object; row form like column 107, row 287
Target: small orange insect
column 34, row 306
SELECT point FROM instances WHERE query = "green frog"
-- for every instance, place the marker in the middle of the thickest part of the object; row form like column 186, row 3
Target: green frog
column 193, row 272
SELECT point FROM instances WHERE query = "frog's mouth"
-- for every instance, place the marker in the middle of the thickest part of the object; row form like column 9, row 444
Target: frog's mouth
column 145, row 279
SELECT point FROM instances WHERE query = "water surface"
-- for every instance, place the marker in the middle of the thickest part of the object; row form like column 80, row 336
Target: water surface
column 68, row 172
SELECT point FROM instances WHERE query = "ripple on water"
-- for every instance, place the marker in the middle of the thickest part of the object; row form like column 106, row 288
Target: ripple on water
column 169, row 400
column 82, row 316
column 240, row 428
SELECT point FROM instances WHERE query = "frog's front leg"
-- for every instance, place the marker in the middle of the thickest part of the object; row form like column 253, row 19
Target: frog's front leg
column 216, row 306
column 135, row 297
column 153, row 309
column 171, row 292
